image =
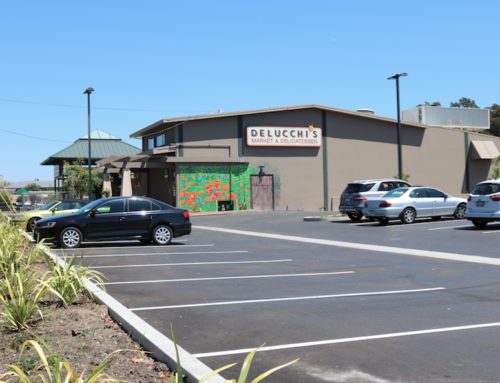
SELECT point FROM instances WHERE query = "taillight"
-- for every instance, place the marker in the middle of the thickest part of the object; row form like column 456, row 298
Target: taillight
column 385, row 204
column 359, row 198
column 186, row 214
column 495, row 197
column 469, row 198
column 341, row 199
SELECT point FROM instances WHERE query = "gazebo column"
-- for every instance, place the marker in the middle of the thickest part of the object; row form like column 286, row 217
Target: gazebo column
column 106, row 183
column 126, row 189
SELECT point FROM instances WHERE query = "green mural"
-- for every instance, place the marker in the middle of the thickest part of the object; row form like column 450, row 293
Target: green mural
column 201, row 187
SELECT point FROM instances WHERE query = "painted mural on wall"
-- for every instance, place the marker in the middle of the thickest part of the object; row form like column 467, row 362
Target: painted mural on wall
column 201, row 187
column 269, row 169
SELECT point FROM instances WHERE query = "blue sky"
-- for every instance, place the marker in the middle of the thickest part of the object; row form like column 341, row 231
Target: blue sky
column 170, row 58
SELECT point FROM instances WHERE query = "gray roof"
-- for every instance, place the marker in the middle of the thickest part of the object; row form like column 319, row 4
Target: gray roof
column 151, row 129
column 103, row 146
column 23, row 184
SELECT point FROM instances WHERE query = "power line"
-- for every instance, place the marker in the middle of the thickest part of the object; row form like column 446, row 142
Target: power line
column 37, row 138
column 94, row 107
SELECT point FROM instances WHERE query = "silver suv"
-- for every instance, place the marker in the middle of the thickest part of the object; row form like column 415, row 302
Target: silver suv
column 483, row 204
column 353, row 198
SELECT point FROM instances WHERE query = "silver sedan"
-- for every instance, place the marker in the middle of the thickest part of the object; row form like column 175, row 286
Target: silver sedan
column 407, row 204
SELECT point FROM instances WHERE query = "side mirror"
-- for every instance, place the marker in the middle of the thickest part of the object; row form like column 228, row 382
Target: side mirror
column 53, row 209
column 93, row 213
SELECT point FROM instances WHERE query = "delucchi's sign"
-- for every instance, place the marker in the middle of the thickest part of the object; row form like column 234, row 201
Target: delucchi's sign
column 284, row 136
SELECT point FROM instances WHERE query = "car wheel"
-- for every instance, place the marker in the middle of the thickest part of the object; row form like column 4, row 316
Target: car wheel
column 162, row 235
column 436, row 218
column 460, row 211
column 383, row 221
column 408, row 215
column 479, row 224
column 31, row 223
column 70, row 238
column 355, row 217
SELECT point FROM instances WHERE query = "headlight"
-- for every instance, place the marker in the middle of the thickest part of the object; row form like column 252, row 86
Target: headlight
column 47, row 224
column 18, row 217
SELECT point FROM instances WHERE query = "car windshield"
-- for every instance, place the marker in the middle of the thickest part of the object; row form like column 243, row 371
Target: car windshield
column 486, row 189
column 358, row 188
column 396, row 193
column 47, row 207
column 88, row 207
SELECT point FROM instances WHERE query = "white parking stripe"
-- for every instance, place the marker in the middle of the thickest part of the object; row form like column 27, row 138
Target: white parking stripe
column 361, row 246
column 193, row 264
column 127, row 247
column 222, row 278
column 346, row 340
column 144, row 254
column 288, row 299
column 491, row 232
column 450, row 227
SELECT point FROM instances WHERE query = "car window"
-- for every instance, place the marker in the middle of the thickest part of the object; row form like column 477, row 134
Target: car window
column 155, row 207
column 139, row 205
column 115, row 206
column 66, row 206
column 386, row 186
column 486, row 189
column 418, row 193
column 79, row 205
column 402, row 184
column 357, row 188
column 47, row 207
column 433, row 193
column 396, row 193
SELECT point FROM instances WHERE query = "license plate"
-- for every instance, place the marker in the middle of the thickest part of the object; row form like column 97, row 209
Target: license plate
column 480, row 203
column 347, row 199
column 371, row 212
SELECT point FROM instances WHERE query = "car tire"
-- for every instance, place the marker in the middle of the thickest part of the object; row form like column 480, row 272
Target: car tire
column 479, row 224
column 70, row 238
column 460, row 211
column 31, row 224
column 383, row 221
column 355, row 217
column 408, row 216
column 162, row 235
column 436, row 218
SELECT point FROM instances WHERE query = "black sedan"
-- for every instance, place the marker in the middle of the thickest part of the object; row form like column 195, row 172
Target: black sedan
column 116, row 218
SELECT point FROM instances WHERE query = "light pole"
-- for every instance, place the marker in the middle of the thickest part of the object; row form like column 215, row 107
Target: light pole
column 88, row 91
column 400, row 159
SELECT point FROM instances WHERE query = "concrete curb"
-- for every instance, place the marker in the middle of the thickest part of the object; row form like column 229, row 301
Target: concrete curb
column 161, row 347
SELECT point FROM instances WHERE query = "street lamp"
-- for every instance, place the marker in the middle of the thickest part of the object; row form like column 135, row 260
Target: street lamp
column 400, row 159
column 88, row 91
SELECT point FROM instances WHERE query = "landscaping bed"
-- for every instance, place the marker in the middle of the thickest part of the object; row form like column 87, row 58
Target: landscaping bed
column 79, row 332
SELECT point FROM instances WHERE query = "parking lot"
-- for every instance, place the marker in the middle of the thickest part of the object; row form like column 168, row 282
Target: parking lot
column 356, row 302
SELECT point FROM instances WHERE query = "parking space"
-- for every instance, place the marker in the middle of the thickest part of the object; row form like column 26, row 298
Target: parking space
column 351, row 313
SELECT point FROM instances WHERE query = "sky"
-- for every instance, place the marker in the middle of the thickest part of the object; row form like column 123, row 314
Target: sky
column 151, row 60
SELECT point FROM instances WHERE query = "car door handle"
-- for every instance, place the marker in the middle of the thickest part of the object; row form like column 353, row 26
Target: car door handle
column 122, row 218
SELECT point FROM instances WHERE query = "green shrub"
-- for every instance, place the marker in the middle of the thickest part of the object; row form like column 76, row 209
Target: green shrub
column 67, row 282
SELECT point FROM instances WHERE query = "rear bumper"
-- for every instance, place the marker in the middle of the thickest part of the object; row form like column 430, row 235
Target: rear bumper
column 489, row 217
column 386, row 212
column 181, row 230
column 351, row 209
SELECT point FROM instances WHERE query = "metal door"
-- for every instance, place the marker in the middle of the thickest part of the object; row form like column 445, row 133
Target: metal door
column 262, row 192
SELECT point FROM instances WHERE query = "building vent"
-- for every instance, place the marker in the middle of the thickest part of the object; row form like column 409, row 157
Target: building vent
column 369, row 111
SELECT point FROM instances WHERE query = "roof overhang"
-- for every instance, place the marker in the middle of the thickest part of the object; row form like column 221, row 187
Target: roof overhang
column 484, row 150
column 171, row 123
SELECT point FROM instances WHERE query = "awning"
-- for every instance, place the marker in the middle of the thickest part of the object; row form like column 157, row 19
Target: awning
column 484, row 150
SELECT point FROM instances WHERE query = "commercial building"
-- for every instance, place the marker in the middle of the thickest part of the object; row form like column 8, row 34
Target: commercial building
column 298, row 157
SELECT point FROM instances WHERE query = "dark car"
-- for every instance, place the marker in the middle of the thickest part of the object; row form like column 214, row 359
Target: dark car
column 116, row 218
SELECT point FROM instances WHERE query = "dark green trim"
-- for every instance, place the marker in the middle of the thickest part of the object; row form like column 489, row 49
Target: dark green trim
column 325, row 160
column 240, row 136
column 467, row 175
column 181, row 140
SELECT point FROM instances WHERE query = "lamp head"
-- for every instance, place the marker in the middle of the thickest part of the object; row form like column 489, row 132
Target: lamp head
column 398, row 75
column 88, row 91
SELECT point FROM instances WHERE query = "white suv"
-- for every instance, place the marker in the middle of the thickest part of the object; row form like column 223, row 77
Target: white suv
column 483, row 204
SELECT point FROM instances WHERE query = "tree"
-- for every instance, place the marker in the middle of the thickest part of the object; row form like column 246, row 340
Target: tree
column 464, row 103
column 427, row 103
column 33, row 187
column 80, row 178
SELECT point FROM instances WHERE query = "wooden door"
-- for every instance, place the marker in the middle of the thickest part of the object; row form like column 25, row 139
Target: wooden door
column 262, row 192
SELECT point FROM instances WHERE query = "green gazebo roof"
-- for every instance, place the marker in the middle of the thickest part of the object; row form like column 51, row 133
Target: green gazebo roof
column 103, row 145
column 22, row 191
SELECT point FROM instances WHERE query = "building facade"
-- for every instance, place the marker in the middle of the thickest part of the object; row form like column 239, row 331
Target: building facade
column 293, row 158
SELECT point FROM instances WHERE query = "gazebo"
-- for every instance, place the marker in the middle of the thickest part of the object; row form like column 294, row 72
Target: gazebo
column 103, row 145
